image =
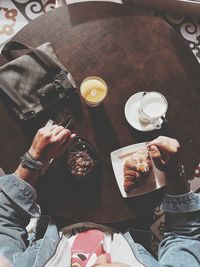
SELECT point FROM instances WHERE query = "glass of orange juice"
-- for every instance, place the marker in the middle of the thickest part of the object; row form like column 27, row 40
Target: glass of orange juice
column 93, row 90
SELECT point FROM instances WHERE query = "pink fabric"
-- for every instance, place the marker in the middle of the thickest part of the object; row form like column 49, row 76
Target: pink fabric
column 85, row 245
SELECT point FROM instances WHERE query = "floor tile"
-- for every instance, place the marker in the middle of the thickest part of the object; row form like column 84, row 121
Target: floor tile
column 11, row 20
column 31, row 9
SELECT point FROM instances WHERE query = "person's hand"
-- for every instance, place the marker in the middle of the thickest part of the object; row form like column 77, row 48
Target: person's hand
column 102, row 261
column 4, row 262
column 50, row 142
column 163, row 150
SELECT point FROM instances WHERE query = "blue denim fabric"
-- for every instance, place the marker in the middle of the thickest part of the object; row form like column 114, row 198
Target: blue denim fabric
column 181, row 244
column 17, row 206
column 180, row 248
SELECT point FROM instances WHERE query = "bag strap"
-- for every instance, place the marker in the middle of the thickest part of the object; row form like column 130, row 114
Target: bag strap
column 50, row 64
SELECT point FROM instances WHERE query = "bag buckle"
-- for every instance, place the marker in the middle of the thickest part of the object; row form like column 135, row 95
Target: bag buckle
column 29, row 115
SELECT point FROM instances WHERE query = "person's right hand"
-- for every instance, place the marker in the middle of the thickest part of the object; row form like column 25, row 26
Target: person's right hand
column 50, row 142
column 163, row 150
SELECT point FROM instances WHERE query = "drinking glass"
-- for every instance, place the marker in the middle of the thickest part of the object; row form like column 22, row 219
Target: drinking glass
column 93, row 90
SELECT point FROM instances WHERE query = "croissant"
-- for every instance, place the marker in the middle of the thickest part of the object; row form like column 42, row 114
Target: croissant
column 137, row 167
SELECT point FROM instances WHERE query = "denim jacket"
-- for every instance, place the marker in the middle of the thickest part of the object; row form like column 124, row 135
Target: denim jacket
column 180, row 247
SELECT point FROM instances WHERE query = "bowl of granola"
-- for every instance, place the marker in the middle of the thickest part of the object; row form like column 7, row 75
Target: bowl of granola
column 82, row 161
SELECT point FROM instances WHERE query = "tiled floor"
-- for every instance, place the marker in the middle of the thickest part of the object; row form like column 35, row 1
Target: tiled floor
column 11, row 20
column 188, row 28
column 16, row 14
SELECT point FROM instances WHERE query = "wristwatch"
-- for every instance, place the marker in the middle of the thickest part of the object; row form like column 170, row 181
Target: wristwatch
column 181, row 170
column 176, row 168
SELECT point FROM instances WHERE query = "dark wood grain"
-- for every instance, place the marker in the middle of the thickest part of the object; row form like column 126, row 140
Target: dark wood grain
column 131, row 51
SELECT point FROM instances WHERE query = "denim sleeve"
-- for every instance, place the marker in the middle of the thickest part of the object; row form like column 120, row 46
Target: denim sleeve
column 17, row 206
column 147, row 259
column 181, row 244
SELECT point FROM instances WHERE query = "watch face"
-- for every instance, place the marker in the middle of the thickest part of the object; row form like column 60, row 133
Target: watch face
column 181, row 170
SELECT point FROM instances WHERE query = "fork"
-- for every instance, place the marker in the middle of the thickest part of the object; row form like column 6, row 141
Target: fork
column 60, row 120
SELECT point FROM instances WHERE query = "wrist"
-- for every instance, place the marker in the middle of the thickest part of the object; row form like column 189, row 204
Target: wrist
column 176, row 179
column 29, row 168
column 29, row 162
column 173, row 166
column 36, row 155
column 30, row 176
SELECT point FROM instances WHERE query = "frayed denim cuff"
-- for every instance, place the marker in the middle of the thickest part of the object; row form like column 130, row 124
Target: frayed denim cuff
column 23, row 194
column 187, row 202
column 32, row 189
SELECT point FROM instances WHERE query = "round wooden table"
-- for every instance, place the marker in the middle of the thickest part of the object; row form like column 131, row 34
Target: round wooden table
column 132, row 51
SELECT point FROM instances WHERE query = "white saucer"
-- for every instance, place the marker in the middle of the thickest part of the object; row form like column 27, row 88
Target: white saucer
column 132, row 114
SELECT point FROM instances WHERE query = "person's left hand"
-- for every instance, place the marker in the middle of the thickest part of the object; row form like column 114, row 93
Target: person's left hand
column 50, row 142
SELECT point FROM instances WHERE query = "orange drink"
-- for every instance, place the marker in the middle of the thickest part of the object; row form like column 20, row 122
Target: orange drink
column 93, row 90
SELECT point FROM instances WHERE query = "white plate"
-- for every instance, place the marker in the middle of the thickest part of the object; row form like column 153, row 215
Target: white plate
column 154, row 181
column 132, row 114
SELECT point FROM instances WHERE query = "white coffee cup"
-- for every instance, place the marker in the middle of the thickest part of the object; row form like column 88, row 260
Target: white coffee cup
column 152, row 109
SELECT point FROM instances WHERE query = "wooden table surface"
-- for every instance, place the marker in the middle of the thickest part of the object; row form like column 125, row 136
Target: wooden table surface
column 132, row 51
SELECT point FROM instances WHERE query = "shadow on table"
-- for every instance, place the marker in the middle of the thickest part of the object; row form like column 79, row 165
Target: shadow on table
column 148, row 136
column 58, row 193
column 75, row 107
column 106, row 136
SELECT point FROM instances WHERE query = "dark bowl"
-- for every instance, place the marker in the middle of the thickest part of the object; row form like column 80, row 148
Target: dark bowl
column 81, row 144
